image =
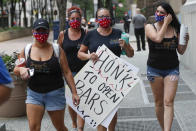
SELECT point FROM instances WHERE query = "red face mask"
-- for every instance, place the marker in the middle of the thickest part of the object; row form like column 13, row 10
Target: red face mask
column 75, row 24
column 104, row 22
column 41, row 37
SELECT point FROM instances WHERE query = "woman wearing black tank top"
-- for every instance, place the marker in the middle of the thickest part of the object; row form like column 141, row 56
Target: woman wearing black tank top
column 46, row 87
column 70, row 41
column 163, row 63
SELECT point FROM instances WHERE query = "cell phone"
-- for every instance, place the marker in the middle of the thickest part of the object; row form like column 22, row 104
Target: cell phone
column 31, row 72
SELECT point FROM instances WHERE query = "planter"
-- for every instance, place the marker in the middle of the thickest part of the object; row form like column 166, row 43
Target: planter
column 15, row 106
column 13, row 34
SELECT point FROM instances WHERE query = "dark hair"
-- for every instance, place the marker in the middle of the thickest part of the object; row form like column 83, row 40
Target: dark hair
column 174, row 23
column 101, row 9
column 74, row 9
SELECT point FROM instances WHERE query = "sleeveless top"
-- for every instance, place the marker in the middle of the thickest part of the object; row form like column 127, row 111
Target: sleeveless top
column 163, row 55
column 71, row 48
column 47, row 74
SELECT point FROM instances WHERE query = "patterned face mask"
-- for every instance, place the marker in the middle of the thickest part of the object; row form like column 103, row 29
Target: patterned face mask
column 159, row 17
column 41, row 37
column 104, row 22
column 75, row 24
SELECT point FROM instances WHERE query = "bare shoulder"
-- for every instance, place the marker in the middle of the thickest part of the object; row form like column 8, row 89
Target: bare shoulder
column 148, row 26
column 61, row 33
column 22, row 55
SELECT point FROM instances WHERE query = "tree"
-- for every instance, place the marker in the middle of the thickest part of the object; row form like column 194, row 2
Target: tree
column 20, row 11
column 121, row 10
column 108, row 5
column 24, row 11
column 12, row 10
column 100, row 4
column 86, row 6
column 1, row 4
column 62, row 5
column 51, row 10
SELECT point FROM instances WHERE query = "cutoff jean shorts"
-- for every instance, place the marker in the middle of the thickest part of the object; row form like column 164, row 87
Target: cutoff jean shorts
column 153, row 72
column 53, row 100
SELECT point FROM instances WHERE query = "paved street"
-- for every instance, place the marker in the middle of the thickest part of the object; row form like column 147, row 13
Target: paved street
column 136, row 112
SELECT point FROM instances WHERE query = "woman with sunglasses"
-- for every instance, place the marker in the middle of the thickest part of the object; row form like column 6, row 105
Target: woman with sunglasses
column 46, row 87
column 70, row 40
column 109, row 36
column 163, row 63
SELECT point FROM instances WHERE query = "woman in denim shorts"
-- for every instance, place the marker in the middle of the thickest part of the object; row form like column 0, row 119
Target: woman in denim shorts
column 70, row 41
column 163, row 63
column 46, row 87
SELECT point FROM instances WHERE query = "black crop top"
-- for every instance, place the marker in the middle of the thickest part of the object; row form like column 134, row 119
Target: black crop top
column 163, row 55
column 47, row 74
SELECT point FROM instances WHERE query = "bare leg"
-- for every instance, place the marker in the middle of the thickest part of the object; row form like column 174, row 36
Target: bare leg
column 73, row 115
column 101, row 128
column 80, row 123
column 35, row 114
column 57, row 118
column 113, row 123
column 158, row 90
column 171, row 84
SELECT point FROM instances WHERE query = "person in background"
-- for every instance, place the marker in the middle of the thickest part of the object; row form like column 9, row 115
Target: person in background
column 70, row 41
column 46, row 87
column 6, row 84
column 163, row 63
column 139, row 22
column 83, row 23
column 109, row 36
column 127, row 22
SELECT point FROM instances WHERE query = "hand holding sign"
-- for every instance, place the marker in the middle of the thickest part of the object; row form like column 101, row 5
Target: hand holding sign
column 94, row 56
column 75, row 99
column 101, row 85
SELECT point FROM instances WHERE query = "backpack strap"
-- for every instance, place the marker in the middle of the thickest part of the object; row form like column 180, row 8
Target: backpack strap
column 56, row 51
column 54, row 45
column 26, row 50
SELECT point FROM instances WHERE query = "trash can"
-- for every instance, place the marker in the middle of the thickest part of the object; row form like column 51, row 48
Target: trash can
column 56, row 29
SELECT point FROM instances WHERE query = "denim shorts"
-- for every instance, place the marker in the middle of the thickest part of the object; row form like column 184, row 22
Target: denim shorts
column 53, row 100
column 152, row 72
column 74, row 73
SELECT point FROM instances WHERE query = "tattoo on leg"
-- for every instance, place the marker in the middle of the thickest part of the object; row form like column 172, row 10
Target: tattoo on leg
column 174, row 77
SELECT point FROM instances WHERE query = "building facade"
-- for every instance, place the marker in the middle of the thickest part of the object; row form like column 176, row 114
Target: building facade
column 188, row 17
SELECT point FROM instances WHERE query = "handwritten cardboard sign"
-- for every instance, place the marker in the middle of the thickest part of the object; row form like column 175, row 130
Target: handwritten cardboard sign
column 101, row 86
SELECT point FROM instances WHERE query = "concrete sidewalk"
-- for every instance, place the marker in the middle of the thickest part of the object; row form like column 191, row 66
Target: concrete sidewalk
column 136, row 112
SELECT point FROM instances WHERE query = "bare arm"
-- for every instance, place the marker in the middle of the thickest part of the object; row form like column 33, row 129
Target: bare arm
column 127, row 47
column 68, row 76
column 21, row 71
column 182, row 48
column 157, row 36
column 61, row 38
column 66, row 71
column 83, row 54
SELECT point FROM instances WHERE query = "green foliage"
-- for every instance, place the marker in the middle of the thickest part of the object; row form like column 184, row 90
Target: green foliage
column 9, row 60
column 85, row 4
column 121, row 10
